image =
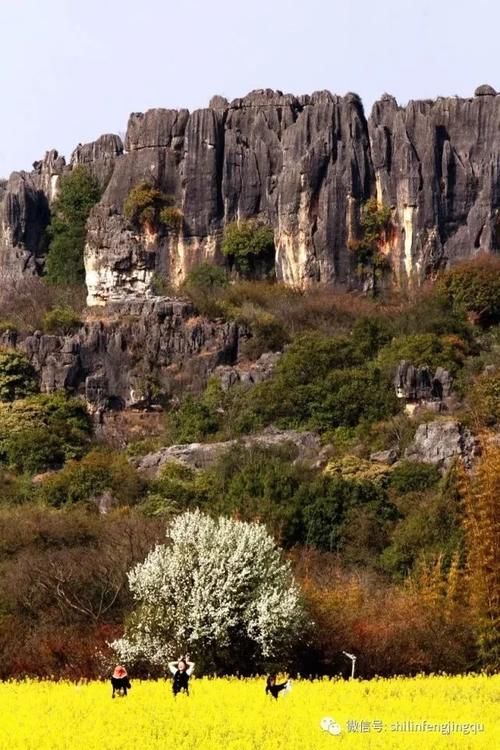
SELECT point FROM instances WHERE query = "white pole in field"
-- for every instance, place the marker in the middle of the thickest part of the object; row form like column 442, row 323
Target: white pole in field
column 353, row 662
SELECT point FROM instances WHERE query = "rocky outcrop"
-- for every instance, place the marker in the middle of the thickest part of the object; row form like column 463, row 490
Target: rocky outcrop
column 26, row 198
column 25, row 214
column 303, row 164
column 293, row 162
column 420, row 384
column 437, row 164
column 139, row 352
column 442, row 442
column 99, row 157
column 306, row 448
column 248, row 373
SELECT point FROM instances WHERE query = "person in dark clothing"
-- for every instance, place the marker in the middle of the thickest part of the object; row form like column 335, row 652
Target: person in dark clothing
column 120, row 682
column 182, row 669
column 273, row 689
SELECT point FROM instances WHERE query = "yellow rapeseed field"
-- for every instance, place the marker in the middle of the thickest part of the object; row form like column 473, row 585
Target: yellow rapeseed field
column 236, row 715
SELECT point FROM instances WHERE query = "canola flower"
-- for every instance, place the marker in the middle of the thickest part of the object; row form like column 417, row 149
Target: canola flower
column 237, row 715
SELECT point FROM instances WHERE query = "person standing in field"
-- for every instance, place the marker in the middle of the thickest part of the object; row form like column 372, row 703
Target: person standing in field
column 120, row 681
column 182, row 669
column 273, row 689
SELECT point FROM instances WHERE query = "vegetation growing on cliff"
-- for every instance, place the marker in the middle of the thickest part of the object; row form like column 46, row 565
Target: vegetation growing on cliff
column 148, row 208
column 249, row 247
column 78, row 193
column 375, row 225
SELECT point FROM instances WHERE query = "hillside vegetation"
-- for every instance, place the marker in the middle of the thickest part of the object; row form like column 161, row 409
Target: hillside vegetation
column 397, row 561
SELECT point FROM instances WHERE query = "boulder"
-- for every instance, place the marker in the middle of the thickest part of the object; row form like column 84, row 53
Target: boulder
column 442, row 442
column 420, row 384
column 248, row 373
column 305, row 445
column 385, row 457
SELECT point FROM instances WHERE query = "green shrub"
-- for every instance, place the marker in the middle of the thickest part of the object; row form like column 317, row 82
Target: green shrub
column 18, row 377
column 250, row 247
column 375, row 226
column 78, row 193
column 483, row 399
column 28, row 425
column 410, row 476
column 204, row 285
column 193, row 421
column 16, row 489
column 34, row 449
column 267, row 332
column 423, row 349
column 171, row 218
column 340, row 515
column 145, row 206
column 474, row 287
column 206, row 277
column 98, row 471
column 7, row 325
column 357, row 470
column 61, row 321
column 429, row 528
column 174, row 490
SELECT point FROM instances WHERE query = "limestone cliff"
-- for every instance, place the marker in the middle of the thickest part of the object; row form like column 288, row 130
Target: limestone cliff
column 303, row 164
column 137, row 352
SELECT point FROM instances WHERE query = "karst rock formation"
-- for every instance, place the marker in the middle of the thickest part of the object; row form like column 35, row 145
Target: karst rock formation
column 303, row 164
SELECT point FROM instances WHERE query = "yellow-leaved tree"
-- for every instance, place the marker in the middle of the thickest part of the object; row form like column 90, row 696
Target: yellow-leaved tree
column 481, row 497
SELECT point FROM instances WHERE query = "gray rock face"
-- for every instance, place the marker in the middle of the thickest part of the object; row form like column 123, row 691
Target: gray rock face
column 385, row 457
column 249, row 373
column 141, row 348
column 437, row 164
column 298, row 163
column 25, row 213
column 420, row 384
column 26, row 198
column 442, row 442
column 306, row 445
column 99, row 156
column 304, row 164
column 485, row 90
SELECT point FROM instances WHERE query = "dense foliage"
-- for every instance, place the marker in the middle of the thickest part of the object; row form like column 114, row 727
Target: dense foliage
column 41, row 432
column 249, row 246
column 393, row 560
column 78, row 193
column 17, row 376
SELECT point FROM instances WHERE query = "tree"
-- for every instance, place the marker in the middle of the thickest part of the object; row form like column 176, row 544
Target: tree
column 17, row 376
column 474, row 287
column 481, row 495
column 219, row 589
column 42, row 431
column 78, row 193
column 250, row 247
column 375, row 228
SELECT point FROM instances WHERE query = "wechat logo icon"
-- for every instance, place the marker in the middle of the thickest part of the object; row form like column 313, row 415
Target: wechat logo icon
column 330, row 725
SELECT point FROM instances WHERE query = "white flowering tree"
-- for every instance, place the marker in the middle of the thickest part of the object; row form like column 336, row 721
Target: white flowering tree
column 219, row 589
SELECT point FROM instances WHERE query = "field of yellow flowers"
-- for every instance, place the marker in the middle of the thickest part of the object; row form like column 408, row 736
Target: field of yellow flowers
column 460, row 712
